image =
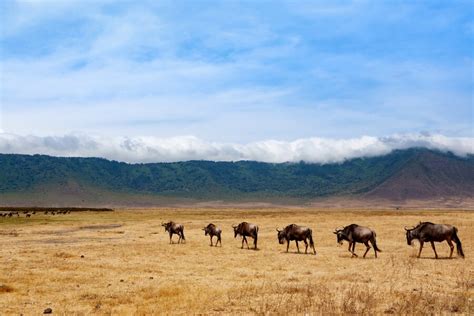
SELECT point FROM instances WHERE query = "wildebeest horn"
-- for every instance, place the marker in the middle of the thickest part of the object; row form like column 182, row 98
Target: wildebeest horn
column 278, row 230
column 407, row 229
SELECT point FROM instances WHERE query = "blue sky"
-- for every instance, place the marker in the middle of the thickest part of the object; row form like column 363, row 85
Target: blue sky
column 237, row 71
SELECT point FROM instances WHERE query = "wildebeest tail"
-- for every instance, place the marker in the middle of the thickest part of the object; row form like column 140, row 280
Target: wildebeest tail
column 256, row 237
column 310, row 237
column 375, row 244
column 182, row 234
column 458, row 243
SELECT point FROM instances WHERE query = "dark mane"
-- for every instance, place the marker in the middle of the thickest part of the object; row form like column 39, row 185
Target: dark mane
column 422, row 224
column 351, row 226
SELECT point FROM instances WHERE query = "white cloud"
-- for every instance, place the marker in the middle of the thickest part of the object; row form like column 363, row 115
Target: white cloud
column 183, row 148
column 270, row 72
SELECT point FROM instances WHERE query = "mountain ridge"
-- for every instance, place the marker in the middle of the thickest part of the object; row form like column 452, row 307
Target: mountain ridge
column 44, row 179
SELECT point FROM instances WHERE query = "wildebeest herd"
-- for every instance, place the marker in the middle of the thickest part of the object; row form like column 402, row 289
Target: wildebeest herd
column 31, row 213
column 424, row 232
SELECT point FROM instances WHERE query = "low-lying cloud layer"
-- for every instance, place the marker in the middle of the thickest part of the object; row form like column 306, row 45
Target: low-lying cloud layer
column 183, row 148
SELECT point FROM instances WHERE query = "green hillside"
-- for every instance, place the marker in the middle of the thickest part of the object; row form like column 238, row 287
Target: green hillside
column 24, row 174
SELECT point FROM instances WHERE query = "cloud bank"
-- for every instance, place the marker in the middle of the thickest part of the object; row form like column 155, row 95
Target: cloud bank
column 184, row 148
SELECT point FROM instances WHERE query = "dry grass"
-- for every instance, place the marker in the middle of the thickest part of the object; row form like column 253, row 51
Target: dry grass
column 128, row 267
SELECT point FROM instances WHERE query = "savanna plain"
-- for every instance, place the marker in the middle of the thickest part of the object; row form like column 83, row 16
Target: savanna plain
column 121, row 263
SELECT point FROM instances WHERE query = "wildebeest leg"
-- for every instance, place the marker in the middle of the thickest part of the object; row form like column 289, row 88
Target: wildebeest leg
column 434, row 249
column 171, row 235
column 368, row 248
column 353, row 249
column 421, row 247
column 243, row 238
column 211, row 239
column 297, row 247
column 287, row 245
column 179, row 239
column 246, row 242
column 450, row 243
column 306, row 244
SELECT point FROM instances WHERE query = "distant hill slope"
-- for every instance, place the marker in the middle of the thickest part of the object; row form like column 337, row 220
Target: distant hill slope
column 429, row 175
column 411, row 173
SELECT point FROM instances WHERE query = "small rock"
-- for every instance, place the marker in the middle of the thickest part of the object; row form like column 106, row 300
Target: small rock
column 82, row 256
column 151, row 278
column 48, row 311
column 121, row 280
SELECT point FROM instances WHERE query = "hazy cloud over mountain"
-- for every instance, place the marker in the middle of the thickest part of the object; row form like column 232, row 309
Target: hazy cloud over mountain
column 152, row 149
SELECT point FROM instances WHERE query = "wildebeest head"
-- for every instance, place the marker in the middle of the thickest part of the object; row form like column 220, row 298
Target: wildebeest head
column 208, row 229
column 281, row 236
column 236, row 230
column 167, row 225
column 409, row 233
column 340, row 235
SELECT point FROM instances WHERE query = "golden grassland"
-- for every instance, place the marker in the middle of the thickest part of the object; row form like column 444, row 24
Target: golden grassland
column 121, row 263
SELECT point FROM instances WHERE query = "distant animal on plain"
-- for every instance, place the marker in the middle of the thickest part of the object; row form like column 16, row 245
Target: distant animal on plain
column 357, row 234
column 429, row 232
column 212, row 230
column 296, row 233
column 173, row 228
column 28, row 215
column 245, row 230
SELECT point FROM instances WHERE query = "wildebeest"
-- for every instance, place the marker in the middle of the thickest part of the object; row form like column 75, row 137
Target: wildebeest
column 173, row 228
column 212, row 230
column 296, row 233
column 245, row 230
column 354, row 234
column 426, row 231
